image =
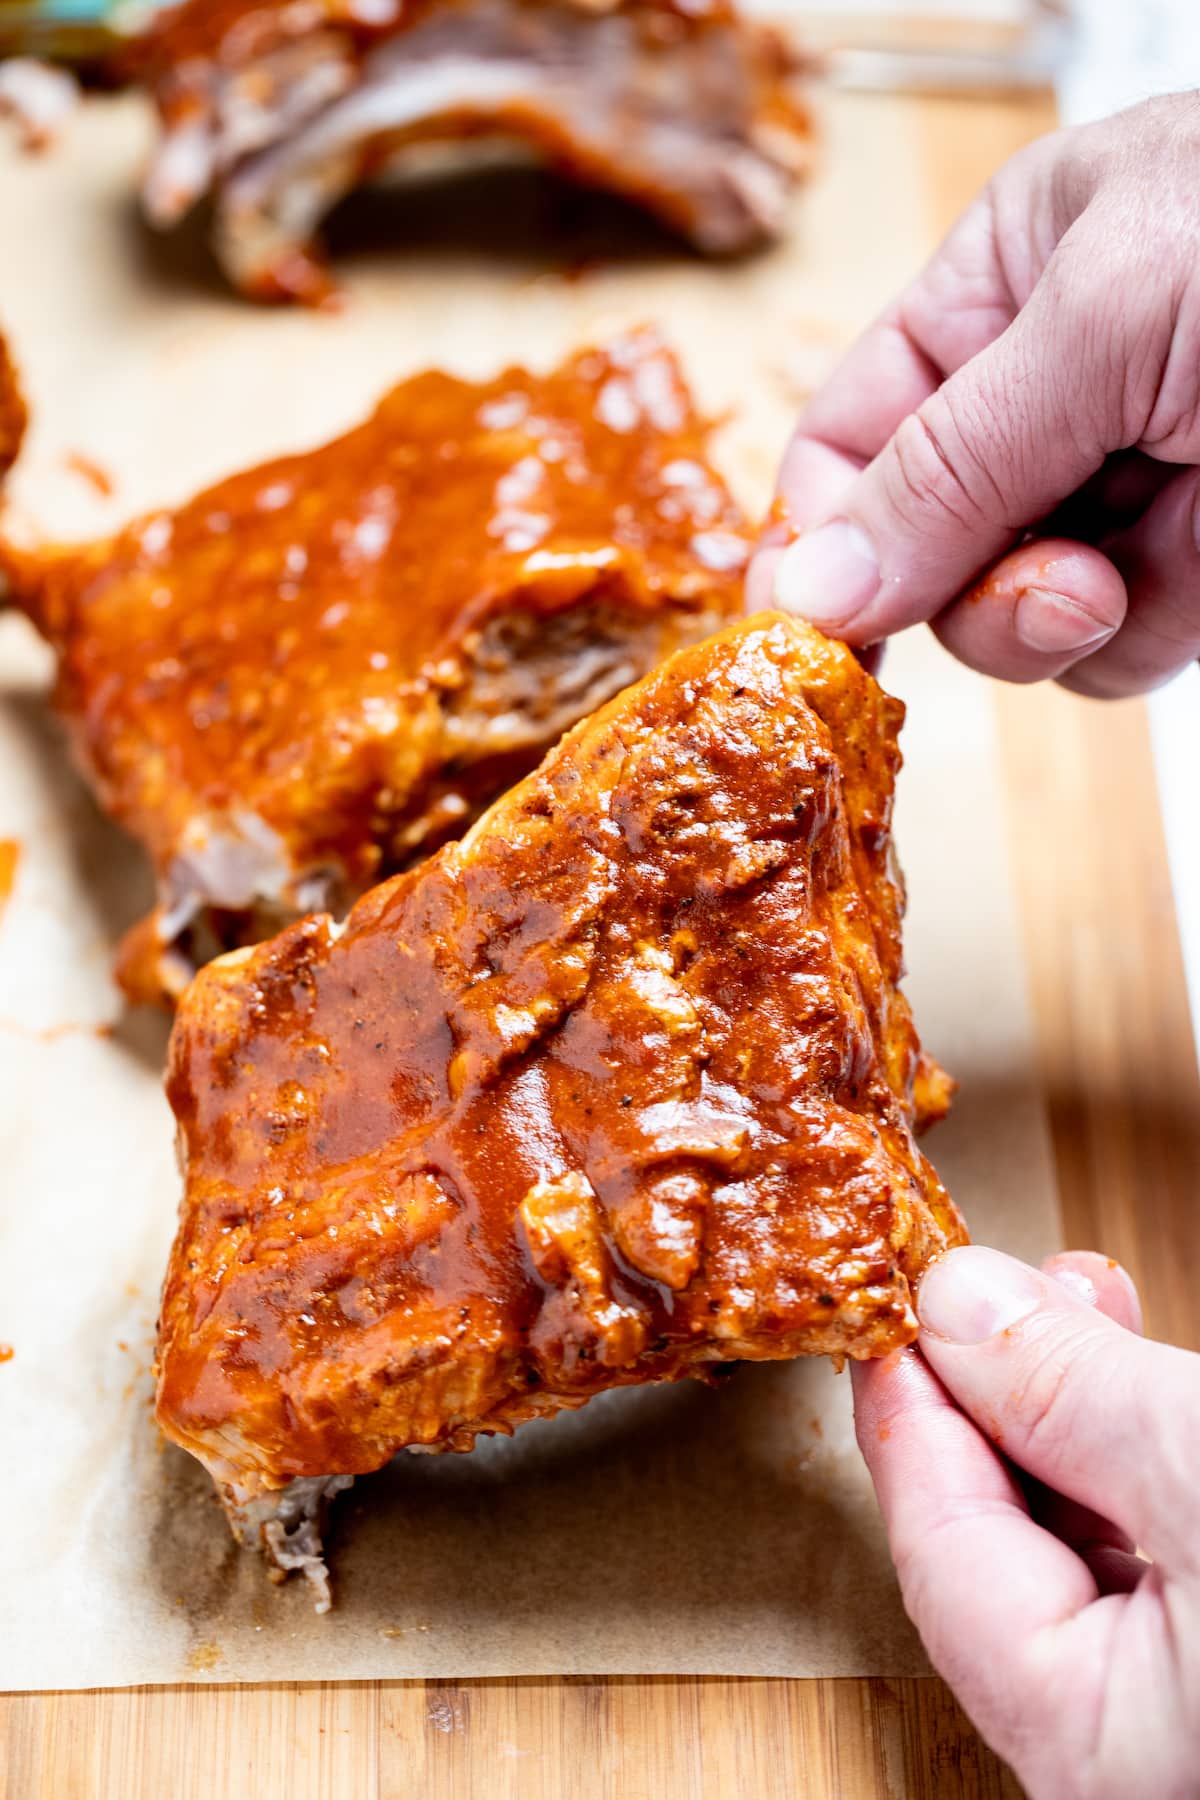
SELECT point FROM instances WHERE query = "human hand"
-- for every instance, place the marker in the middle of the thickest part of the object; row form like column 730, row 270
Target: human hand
column 1041, row 375
column 1078, row 1661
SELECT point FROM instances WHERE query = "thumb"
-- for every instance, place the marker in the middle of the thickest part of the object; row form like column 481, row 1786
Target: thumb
column 1104, row 1417
column 991, row 451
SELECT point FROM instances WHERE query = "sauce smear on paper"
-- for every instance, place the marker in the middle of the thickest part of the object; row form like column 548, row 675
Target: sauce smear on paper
column 90, row 471
column 10, row 856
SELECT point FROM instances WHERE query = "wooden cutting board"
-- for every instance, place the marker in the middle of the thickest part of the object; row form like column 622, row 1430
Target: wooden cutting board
column 1118, row 1070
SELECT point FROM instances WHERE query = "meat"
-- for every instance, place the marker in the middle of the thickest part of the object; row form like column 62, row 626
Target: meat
column 280, row 109
column 13, row 415
column 310, row 675
column 617, row 1088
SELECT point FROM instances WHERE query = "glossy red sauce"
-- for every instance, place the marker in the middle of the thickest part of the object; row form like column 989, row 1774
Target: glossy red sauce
column 619, row 1087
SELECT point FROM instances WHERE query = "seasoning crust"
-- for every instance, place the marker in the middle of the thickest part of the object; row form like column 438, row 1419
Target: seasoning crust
column 310, row 675
column 618, row 1088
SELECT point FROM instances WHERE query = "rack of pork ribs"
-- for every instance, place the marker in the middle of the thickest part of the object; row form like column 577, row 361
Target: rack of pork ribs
column 275, row 109
column 306, row 678
column 617, row 1089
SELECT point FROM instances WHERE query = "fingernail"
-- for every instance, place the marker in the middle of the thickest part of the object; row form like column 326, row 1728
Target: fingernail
column 1076, row 1283
column 1083, row 1273
column 828, row 575
column 971, row 1294
column 1054, row 624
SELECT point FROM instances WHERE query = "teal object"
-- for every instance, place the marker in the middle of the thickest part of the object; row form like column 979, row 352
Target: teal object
column 68, row 11
column 69, row 30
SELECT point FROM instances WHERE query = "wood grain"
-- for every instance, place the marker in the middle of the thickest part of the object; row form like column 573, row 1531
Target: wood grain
column 1115, row 1038
column 1117, row 1059
column 621, row 1739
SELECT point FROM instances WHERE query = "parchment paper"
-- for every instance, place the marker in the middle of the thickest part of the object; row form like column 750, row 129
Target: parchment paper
column 671, row 1530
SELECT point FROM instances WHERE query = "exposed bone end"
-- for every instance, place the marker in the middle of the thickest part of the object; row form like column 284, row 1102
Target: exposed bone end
column 286, row 1526
column 231, row 883
column 180, row 172
column 522, row 679
column 39, row 98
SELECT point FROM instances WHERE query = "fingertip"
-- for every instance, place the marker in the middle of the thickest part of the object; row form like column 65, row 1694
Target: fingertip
column 813, row 479
column 871, row 1379
column 879, row 1379
column 893, row 1396
column 974, row 1293
column 1099, row 1282
column 1115, row 1571
column 760, row 578
column 1080, row 1404
column 829, row 576
column 1051, row 622
column 1037, row 612
column 760, row 596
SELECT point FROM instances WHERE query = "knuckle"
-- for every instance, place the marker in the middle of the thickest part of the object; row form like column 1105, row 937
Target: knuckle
column 928, row 476
column 1082, row 329
column 1062, row 1378
column 1043, row 1408
column 1122, row 295
column 1167, row 413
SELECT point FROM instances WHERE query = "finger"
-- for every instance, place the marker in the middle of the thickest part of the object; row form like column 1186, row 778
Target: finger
column 1115, row 1568
column 1159, row 559
column 959, row 303
column 885, row 376
column 1098, row 1414
column 1109, row 1553
column 999, row 445
column 760, row 578
column 758, row 598
column 1036, row 612
column 814, row 478
column 979, row 1578
column 1115, row 497
column 1099, row 1282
